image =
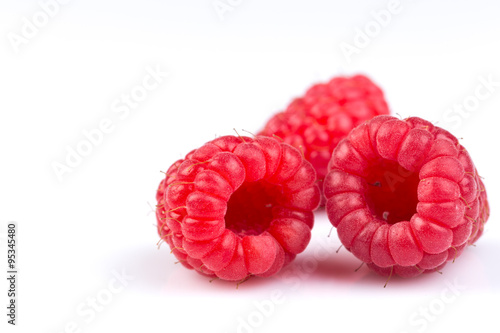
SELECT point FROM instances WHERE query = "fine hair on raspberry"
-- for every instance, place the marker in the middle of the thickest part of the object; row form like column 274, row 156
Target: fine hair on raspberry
column 404, row 196
column 238, row 207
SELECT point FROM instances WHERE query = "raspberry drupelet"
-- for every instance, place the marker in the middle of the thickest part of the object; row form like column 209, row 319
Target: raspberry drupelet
column 238, row 206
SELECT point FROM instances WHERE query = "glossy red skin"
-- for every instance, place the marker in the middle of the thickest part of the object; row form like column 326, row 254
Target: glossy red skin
column 238, row 206
column 404, row 195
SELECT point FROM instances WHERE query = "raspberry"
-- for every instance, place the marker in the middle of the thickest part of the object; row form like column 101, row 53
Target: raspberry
column 317, row 122
column 238, row 206
column 404, row 196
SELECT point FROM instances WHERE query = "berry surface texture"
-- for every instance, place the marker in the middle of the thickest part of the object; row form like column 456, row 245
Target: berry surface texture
column 404, row 196
column 238, row 206
column 316, row 122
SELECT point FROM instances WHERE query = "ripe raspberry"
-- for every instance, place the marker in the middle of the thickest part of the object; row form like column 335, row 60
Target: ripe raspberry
column 404, row 196
column 317, row 122
column 238, row 206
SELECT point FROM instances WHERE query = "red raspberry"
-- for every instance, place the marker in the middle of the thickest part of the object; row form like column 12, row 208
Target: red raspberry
column 317, row 122
column 238, row 206
column 404, row 196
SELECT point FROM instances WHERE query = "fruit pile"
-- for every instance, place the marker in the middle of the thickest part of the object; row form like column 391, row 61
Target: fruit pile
column 404, row 195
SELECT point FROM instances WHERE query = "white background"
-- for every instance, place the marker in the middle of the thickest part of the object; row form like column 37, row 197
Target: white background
column 74, row 234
